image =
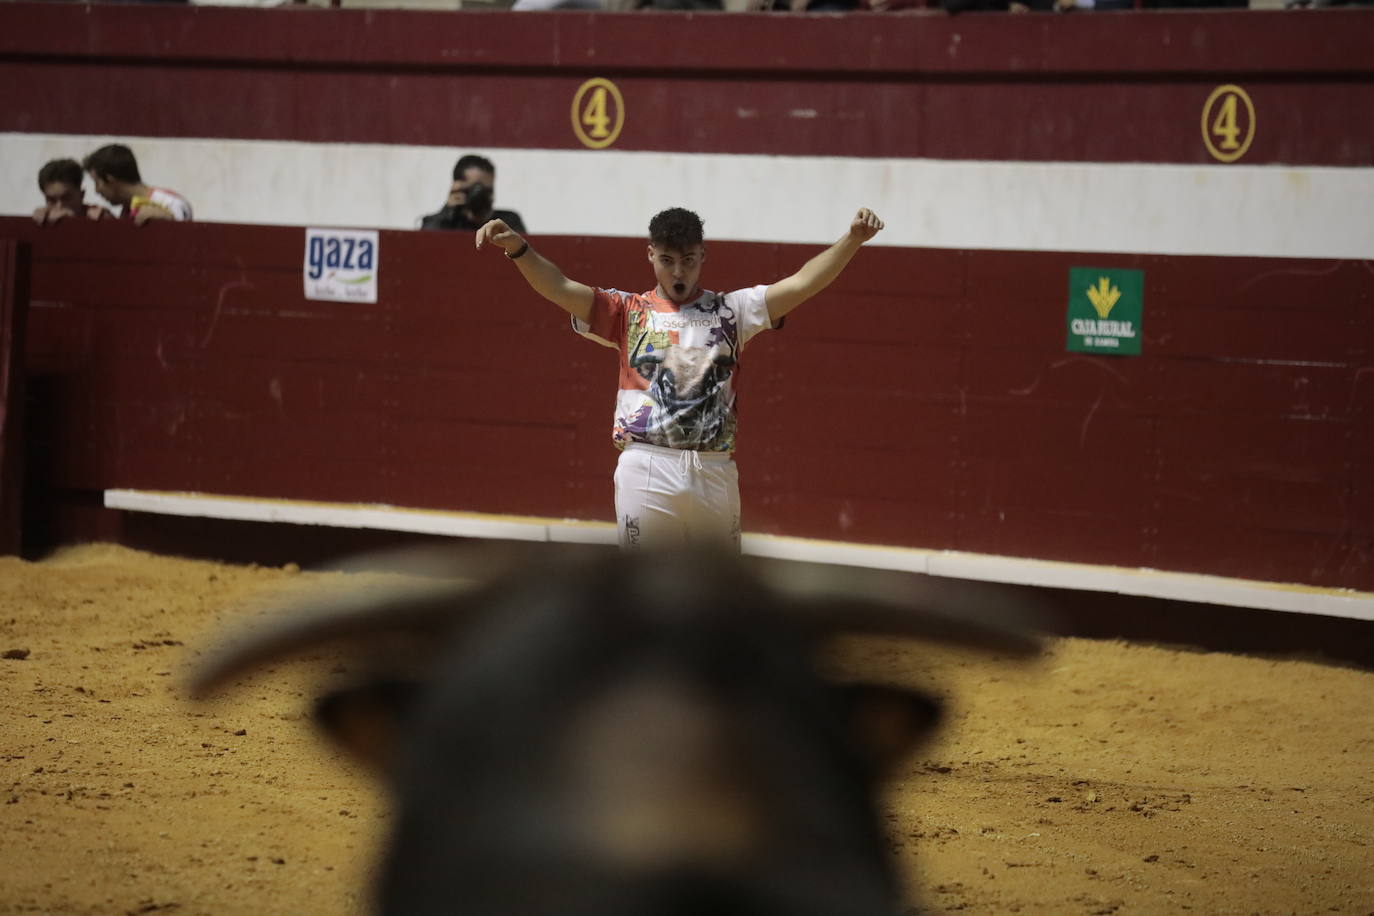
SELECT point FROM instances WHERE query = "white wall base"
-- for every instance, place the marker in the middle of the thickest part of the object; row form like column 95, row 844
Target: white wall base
column 1012, row 570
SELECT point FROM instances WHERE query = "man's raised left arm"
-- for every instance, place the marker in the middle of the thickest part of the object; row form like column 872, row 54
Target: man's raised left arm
column 819, row 272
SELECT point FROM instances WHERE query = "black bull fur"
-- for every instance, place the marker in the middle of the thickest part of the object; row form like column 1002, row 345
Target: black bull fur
column 587, row 733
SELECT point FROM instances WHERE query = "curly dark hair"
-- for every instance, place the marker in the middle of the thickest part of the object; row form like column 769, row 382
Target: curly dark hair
column 676, row 229
column 67, row 171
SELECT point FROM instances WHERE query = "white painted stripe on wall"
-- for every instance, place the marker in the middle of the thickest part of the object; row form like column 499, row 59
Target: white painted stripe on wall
column 983, row 567
column 1130, row 208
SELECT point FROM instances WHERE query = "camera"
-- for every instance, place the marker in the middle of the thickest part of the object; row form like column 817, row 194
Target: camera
column 477, row 198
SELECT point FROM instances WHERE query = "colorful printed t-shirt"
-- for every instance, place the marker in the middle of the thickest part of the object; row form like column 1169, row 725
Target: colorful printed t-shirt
column 678, row 363
column 174, row 203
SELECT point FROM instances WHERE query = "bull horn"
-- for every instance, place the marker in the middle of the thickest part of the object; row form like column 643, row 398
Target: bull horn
column 830, row 600
column 422, row 609
column 437, row 594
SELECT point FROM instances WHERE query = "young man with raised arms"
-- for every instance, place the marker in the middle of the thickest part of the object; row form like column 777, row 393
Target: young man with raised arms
column 679, row 344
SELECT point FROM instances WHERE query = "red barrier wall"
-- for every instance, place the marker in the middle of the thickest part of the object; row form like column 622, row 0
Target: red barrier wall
column 1105, row 87
column 946, row 414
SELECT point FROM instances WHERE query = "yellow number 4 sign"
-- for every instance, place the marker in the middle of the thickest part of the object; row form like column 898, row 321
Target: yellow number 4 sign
column 1227, row 130
column 598, row 113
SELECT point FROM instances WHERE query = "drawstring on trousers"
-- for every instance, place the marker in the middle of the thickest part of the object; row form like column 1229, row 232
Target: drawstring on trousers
column 690, row 460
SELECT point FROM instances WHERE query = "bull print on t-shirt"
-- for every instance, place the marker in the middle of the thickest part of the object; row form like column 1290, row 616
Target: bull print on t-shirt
column 679, row 363
column 685, row 384
column 689, row 398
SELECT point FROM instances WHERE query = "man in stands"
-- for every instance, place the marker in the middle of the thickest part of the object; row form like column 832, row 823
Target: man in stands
column 471, row 199
column 60, row 182
column 115, row 172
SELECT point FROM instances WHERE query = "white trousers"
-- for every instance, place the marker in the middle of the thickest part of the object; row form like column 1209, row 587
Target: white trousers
column 667, row 497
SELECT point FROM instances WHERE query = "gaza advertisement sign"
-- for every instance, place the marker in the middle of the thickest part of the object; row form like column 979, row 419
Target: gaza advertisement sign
column 341, row 265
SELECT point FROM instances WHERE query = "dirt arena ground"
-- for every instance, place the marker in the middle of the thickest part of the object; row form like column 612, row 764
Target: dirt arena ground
column 1107, row 778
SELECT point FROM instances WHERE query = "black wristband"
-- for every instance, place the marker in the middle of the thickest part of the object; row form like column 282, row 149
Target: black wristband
column 519, row 252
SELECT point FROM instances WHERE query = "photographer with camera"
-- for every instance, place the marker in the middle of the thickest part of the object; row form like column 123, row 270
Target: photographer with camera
column 471, row 198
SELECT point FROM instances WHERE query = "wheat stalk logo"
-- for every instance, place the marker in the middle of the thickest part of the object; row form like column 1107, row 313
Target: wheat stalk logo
column 1103, row 296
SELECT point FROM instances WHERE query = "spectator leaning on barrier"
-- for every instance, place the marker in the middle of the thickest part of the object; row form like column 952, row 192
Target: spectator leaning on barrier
column 60, row 182
column 471, row 199
column 679, row 345
column 115, row 172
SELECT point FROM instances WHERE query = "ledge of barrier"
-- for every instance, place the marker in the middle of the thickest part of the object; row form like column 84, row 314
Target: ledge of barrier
column 1150, row 583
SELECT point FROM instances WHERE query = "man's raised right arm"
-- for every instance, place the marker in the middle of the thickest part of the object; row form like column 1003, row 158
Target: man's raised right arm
column 539, row 272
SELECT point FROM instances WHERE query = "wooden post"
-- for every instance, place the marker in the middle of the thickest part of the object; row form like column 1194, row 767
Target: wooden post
column 14, row 307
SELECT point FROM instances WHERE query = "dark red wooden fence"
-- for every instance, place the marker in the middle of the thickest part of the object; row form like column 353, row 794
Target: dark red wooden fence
column 1112, row 87
column 926, row 400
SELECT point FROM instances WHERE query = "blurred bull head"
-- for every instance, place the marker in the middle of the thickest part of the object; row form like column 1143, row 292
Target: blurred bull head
column 591, row 733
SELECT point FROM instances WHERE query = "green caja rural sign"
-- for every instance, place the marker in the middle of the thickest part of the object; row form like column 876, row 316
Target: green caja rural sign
column 1105, row 306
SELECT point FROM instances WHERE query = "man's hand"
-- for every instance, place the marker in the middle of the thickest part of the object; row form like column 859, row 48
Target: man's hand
column 47, row 215
column 457, row 196
column 499, row 234
column 865, row 225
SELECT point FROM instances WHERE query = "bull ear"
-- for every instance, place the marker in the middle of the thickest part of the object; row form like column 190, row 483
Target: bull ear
column 887, row 723
column 367, row 721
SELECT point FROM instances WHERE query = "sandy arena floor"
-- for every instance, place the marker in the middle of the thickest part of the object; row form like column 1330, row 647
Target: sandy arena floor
column 1108, row 778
